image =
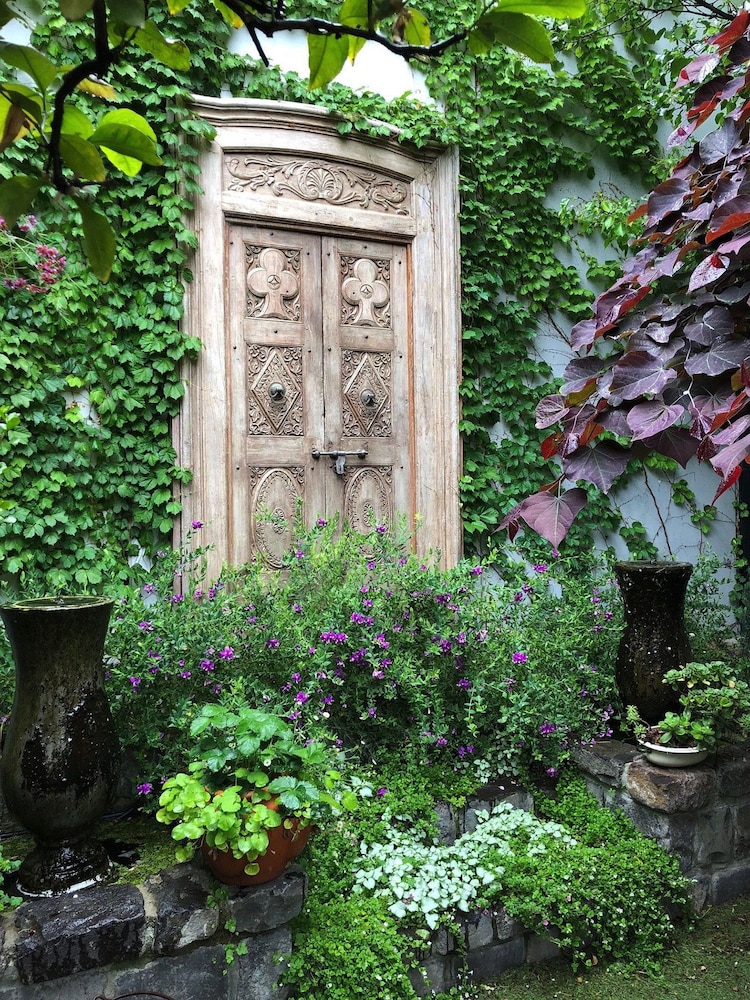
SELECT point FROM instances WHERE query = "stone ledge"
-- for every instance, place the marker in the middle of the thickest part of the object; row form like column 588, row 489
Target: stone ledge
column 168, row 919
column 669, row 790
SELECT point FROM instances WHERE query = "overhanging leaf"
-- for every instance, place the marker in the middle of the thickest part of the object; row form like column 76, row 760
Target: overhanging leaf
column 12, row 123
column 638, row 373
column 558, row 9
column 82, row 158
column 326, row 57
column 16, row 197
column 416, row 28
column 731, row 456
column 175, row 54
column 73, row 10
column 98, row 240
column 600, row 465
column 130, row 12
column 516, row 31
column 551, row 515
column 650, row 418
column 98, row 88
column 29, row 61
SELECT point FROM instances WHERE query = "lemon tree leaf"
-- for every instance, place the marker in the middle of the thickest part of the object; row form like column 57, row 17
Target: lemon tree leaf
column 16, row 196
column 516, row 31
column 82, row 158
column 416, row 28
column 98, row 240
column 326, row 57
column 41, row 70
column 98, row 88
column 558, row 9
column 74, row 10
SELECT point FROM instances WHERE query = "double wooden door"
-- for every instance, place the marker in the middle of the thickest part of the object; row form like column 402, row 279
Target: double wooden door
column 319, row 384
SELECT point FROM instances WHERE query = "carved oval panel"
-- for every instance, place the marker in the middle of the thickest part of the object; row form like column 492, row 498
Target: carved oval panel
column 274, row 503
column 369, row 498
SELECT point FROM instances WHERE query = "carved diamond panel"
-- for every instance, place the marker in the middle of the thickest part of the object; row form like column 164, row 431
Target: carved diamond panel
column 317, row 180
column 366, row 393
column 274, row 390
column 273, row 283
column 275, row 497
column 368, row 497
column 365, row 292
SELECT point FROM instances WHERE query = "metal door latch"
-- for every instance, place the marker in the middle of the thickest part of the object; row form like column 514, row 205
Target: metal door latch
column 339, row 457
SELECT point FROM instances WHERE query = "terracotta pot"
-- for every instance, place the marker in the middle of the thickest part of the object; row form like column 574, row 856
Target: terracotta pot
column 283, row 846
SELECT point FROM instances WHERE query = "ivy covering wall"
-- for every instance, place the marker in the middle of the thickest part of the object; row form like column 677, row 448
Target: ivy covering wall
column 94, row 370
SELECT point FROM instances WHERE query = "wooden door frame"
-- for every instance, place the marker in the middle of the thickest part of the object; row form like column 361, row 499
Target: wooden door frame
column 349, row 186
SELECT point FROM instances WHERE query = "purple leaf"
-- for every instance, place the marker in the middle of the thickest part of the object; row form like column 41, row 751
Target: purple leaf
column 583, row 334
column 718, row 145
column 715, row 324
column 675, row 442
column 666, row 197
column 728, row 217
column 551, row 516
column 720, row 357
column 615, row 421
column 708, row 270
column 638, row 373
column 599, row 465
column 550, row 410
column 651, row 418
column 727, row 460
column 736, row 293
column 580, row 371
column 704, row 407
column 730, row 433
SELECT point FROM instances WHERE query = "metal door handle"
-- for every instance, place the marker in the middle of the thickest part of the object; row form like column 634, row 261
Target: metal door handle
column 339, row 457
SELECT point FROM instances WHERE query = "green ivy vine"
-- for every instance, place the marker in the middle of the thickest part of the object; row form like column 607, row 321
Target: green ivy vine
column 93, row 371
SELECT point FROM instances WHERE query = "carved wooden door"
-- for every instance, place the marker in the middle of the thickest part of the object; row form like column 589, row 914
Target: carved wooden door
column 319, row 384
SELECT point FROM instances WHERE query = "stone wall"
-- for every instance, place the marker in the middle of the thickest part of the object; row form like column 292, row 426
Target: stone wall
column 165, row 936
column 700, row 813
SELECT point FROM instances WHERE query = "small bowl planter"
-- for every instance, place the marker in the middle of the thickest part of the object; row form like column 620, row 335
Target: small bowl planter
column 666, row 756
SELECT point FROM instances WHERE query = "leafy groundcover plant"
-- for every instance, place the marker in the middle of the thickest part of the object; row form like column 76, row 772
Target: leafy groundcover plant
column 575, row 873
column 361, row 640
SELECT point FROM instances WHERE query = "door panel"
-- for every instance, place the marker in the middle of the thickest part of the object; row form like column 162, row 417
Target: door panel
column 318, row 364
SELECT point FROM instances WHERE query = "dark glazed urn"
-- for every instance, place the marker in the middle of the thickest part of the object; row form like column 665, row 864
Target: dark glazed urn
column 654, row 640
column 61, row 754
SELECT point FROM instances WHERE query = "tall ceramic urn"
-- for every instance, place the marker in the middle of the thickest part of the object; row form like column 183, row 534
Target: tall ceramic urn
column 655, row 639
column 60, row 754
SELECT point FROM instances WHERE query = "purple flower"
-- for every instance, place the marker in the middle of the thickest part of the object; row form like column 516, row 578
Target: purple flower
column 149, row 588
column 441, row 741
column 207, row 665
column 301, row 697
column 477, row 571
column 135, row 681
column 540, row 568
column 297, row 608
column 547, row 728
column 145, row 789
column 273, row 643
column 185, row 674
column 381, row 792
column 196, row 525
column 146, row 626
column 333, row 637
column 321, row 522
column 520, row 657
column 227, row 653
column 464, row 683
column 177, row 598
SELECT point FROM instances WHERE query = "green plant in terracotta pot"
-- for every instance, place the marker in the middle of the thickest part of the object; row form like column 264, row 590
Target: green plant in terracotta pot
column 253, row 794
column 714, row 707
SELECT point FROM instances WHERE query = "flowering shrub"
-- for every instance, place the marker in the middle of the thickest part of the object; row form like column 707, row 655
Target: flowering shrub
column 361, row 639
column 25, row 263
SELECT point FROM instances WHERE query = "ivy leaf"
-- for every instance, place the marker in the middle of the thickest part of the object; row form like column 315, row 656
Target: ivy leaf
column 82, row 158
column 326, row 57
column 98, row 240
column 550, row 515
column 516, row 31
column 16, row 197
column 29, row 61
